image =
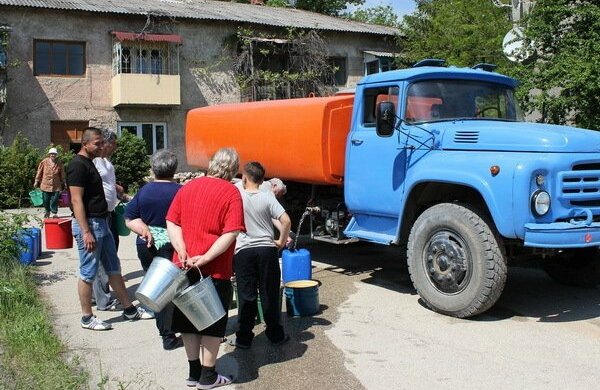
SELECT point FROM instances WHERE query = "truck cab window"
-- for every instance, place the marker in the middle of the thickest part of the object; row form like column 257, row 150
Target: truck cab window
column 440, row 100
column 374, row 96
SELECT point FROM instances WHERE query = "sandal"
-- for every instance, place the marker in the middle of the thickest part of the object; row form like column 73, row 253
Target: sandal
column 221, row 381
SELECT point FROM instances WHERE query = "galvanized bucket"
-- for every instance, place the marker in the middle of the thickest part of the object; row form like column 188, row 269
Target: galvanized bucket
column 200, row 303
column 162, row 282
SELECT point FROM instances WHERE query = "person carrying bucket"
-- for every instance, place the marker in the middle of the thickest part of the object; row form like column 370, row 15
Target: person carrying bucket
column 203, row 222
column 256, row 260
column 50, row 178
column 146, row 213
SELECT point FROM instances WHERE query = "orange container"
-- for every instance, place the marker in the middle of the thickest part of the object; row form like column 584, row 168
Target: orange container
column 302, row 140
column 58, row 233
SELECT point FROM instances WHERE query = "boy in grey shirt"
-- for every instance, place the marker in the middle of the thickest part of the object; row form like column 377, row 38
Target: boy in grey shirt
column 256, row 262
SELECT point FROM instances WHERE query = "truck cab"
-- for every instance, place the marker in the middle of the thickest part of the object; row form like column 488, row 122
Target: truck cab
column 440, row 160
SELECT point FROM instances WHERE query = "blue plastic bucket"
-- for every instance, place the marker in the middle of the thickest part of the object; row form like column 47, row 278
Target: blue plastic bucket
column 302, row 297
column 296, row 265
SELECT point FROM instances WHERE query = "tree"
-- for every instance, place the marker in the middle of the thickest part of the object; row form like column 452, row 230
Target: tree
column 383, row 15
column 463, row 32
column 565, row 73
column 131, row 162
column 327, row 7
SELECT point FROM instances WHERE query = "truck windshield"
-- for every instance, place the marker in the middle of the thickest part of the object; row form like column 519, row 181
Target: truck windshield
column 442, row 100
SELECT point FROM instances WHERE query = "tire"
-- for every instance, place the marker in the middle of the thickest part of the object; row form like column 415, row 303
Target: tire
column 575, row 267
column 456, row 260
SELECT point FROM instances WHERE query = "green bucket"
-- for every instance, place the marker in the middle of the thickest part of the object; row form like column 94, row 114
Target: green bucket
column 36, row 197
column 122, row 228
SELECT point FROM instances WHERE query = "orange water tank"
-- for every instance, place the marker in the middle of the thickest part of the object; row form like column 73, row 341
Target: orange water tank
column 295, row 139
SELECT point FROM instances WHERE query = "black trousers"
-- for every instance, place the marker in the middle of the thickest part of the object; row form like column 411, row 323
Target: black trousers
column 165, row 317
column 257, row 269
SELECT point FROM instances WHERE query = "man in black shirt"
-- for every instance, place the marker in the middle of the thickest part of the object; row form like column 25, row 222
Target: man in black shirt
column 92, row 234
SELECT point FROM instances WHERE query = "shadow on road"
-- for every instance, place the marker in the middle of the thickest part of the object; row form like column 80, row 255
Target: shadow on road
column 529, row 293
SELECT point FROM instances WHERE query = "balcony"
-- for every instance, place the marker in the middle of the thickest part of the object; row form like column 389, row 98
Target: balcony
column 145, row 69
column 145, row 89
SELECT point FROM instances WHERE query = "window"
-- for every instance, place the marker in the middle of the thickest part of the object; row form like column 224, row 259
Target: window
column 339, row 67
column 153, row 134
column 145, row 57
column 374, row 96
column 59, row 58
column 438, row 100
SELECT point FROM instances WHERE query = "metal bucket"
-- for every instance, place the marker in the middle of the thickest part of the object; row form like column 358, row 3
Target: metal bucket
column 162, row 282
column 200, row 303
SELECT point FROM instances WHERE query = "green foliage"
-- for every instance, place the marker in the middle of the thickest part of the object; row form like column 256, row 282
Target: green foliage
column 63, row 156
column 327, row 7
column 32, row 355
column 463, row 32
column 131, row 162
column 18, row 164
column 277, row 3
column 383, row 15
column 565, row 35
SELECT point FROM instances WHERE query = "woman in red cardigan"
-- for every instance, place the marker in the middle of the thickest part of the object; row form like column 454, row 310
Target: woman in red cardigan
column 203, row 222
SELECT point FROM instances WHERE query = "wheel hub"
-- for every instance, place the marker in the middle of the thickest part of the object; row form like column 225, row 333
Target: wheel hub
column 445, row 262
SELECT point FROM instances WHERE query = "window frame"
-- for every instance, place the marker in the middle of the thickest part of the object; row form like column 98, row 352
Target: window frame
column 36, row 72
column 343, row 62
column 139, row 132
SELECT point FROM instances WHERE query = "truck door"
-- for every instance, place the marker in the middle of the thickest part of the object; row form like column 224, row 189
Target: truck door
column 375, row 170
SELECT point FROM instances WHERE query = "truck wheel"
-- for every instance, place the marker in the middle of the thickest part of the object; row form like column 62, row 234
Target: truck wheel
column 575, row 267
column 455, row 260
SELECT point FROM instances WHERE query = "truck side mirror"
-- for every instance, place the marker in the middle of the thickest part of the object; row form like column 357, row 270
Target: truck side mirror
column 385, row 118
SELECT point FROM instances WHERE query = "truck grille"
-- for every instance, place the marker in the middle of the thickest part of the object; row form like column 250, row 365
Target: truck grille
column 581, row 187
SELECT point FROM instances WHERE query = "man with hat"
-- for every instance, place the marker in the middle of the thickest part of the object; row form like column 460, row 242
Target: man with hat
column 50, row 178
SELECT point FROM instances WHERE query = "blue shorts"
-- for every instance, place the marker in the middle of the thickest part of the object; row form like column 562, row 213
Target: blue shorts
column 105, row 252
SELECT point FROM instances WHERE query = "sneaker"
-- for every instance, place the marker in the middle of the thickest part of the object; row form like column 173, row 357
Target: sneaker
column 96, row 324
column 284, row 340
column 235, row 343
column 140, row 314
column 191, row 382
column 172, row 342
column 46, row 215
column 54, row 215
column 113, row 305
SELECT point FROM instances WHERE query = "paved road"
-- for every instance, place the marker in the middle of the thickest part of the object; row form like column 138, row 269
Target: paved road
column 372, row 333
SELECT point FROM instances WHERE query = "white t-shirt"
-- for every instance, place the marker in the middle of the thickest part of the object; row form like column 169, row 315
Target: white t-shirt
column 109, row 181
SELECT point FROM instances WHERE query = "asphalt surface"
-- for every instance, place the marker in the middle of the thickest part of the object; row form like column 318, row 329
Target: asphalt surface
column 372, row 333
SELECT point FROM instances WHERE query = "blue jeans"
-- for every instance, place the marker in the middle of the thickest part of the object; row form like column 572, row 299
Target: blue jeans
column 105, row 251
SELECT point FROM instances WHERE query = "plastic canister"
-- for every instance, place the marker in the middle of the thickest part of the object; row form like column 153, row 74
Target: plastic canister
column 36, row 233
column 122, row 228
column 296, row 265
column 26, row 243
column 58, row 233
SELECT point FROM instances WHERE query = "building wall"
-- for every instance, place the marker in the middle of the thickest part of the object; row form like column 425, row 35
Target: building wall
column 206, row 72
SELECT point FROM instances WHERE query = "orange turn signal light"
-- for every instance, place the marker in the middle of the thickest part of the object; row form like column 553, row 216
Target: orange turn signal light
column 494, row 170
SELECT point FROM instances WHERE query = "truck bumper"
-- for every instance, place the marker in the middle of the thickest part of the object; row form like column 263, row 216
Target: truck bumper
column 562, row 235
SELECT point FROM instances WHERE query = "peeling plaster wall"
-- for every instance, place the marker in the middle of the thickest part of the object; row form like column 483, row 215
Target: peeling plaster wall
column 206, row 72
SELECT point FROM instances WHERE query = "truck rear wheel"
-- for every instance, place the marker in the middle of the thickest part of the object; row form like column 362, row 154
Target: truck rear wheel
column 455, row 260
column 575, row 267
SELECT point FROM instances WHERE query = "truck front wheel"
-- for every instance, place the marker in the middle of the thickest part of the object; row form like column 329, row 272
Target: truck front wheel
column 455, row 260
column 575, row 267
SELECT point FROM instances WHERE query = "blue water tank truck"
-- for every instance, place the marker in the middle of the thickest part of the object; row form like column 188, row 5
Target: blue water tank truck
column 437, row 160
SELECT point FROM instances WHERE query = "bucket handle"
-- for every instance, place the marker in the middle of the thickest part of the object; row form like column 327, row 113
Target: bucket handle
column 64, row 221
column 198, row 268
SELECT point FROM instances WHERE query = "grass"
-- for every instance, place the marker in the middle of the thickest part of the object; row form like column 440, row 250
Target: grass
column 31, row 355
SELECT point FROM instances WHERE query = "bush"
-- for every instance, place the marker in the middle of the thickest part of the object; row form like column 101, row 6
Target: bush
column 131, row 162
column 33, row 354
column 18, row 164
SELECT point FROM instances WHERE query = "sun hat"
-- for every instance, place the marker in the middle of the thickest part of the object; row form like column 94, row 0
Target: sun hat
column 52, row 151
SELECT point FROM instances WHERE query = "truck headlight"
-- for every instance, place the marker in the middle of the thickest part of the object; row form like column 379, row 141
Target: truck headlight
column 540, row 203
